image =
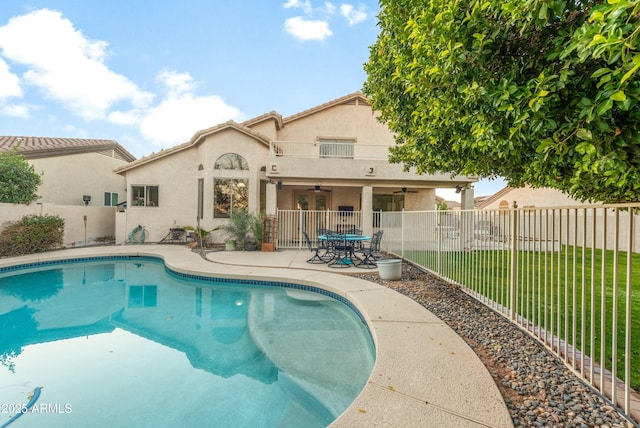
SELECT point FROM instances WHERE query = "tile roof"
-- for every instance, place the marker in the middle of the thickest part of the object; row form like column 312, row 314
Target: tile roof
column 356, row 98
column 194, row 141
column 38, row 147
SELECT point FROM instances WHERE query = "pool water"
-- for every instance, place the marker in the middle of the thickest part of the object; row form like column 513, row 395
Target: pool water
column 126, row 342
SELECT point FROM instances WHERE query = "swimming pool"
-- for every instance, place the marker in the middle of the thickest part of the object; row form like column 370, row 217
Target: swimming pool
column 117, row 341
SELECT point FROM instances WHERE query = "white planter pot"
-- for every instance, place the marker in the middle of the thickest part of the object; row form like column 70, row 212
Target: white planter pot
column 390, row 269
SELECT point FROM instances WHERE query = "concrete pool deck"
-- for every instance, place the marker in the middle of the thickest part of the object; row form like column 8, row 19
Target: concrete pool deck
column 425, row 375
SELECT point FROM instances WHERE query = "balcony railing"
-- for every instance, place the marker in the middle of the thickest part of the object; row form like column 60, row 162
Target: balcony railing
column 331, row 150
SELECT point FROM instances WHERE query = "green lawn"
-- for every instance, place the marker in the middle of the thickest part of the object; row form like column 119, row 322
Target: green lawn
column 555, row 291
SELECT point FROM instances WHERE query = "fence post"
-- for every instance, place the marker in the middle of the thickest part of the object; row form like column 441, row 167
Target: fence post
column 300, row 224
column 402, row 234
column 513, row 277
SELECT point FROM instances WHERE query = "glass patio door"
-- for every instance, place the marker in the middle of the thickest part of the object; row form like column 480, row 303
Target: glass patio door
column 314, row 206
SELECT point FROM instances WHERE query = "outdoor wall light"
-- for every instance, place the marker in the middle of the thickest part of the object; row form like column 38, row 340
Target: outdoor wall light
column 460, row 188
column 86, row 199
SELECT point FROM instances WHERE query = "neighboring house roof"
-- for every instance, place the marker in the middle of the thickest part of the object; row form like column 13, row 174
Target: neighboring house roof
column 42, row 147
column 489, row 199
column 450, row 204
column 194, row 141
column 355, row 98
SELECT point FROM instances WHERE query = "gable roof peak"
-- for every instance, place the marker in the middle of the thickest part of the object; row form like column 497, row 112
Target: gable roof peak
column 355, row 98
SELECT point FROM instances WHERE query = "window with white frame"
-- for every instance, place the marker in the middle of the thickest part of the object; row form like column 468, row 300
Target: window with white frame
column 144, row 196
column 336, row 148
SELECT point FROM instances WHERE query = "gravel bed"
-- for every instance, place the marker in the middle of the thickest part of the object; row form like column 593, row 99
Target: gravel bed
column 538, row 389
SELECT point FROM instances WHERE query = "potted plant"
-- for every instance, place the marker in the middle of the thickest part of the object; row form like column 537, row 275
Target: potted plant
column 200, row 234
column 237, row 229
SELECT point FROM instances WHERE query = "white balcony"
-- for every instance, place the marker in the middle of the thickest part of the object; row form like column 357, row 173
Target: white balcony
column 344, row 149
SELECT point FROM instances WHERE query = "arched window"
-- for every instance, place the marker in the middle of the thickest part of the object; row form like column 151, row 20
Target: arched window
column 231, row 161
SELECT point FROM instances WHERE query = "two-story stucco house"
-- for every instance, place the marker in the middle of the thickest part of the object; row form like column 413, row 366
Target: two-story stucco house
column 74, row 169
column 333, row 157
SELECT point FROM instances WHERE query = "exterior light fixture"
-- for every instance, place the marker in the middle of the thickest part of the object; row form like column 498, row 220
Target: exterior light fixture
column 86, row 199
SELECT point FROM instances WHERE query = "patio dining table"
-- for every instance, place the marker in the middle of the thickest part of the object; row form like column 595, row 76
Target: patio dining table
column 342, row 249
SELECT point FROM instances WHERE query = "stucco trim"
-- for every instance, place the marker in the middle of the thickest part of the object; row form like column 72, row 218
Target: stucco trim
column 272, row 115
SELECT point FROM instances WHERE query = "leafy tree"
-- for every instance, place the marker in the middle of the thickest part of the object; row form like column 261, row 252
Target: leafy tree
column 18, row 180
column 442, row 206
column 542, row 92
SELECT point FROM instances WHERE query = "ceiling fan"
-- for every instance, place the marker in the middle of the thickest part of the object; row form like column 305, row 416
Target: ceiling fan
column 318, row 189
column 405, row 191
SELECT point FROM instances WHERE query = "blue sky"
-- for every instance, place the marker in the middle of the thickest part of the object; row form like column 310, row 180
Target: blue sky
column 149, row 74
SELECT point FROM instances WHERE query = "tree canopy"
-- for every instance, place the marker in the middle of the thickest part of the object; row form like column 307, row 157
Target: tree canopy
column 18, row 180
column 540, row 92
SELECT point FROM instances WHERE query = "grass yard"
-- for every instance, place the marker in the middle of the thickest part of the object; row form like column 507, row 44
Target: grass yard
column 565, row 292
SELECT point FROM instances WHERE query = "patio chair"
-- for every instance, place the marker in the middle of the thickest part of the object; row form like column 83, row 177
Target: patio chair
column 370, row 253
column 340, row 250
column 315, row 249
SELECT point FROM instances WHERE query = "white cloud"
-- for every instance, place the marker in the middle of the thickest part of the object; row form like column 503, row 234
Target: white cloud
column 353, row 16
column 9, row 82
column 177, row 83
column 65, row 65
column 69, row 68
column 182, row 113
column 131, row 117
column 16, row 110
column 329, row 7
column 304, row 5
column 304, row 29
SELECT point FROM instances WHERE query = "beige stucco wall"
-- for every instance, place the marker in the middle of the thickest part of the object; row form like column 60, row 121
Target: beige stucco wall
column 533, row 198
column 67, row 178
column 100, row 220
column 177, row 179
column 266, row 128
column 341, row 121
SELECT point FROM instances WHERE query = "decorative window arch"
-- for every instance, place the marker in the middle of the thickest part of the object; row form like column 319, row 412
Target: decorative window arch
column 231, row 161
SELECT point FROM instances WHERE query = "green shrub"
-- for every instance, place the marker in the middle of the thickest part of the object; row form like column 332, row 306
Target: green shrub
column 238, row 227
column 32, row 234
column 256, row 227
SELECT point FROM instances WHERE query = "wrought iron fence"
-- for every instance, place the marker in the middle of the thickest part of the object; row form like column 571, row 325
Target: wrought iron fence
column 291, row 224
column 569, row 276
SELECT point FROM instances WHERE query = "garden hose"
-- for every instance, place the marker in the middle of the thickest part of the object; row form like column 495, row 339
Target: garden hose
column 141, row 233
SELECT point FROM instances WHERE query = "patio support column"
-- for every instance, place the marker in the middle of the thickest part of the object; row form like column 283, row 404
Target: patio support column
column 466, row 198
column 367, row 210
column 272, row 199
column 466, row 224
